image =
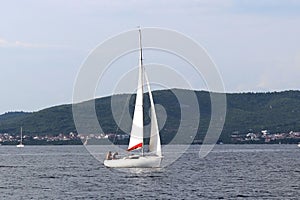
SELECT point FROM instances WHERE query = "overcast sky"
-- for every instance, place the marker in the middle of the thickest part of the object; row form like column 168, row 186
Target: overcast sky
column 254, row 43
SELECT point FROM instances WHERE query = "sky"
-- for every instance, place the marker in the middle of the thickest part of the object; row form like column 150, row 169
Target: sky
column 254, row 43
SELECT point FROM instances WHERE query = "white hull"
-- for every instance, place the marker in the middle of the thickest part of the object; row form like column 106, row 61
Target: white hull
column 299, row 145
column 134, row 162
column 20, row 145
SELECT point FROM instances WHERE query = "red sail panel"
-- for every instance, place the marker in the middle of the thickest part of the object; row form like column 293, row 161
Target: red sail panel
column 135, row 147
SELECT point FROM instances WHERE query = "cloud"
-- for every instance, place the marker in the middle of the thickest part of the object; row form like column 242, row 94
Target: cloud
column 283, row 74
column 34, row 45
column 169, row 7
column 269, row 3
column 267, row 7
column 21, row 44
column 152, row 8
column 264, row 82
column 297, row 61
column 3, row 42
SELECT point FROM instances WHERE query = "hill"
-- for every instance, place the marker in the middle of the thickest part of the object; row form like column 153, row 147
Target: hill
column 275, row 111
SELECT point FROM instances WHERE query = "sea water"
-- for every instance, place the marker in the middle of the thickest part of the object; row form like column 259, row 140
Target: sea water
column 228, row 172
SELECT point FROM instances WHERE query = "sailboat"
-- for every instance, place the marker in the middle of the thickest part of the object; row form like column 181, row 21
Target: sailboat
column 154, row 157
column 86, row 141
column 21, row 140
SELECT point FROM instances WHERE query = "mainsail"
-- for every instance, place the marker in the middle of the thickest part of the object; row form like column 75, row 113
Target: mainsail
column 137, row 129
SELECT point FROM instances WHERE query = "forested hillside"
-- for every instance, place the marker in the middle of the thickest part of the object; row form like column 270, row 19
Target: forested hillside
column 275, row 111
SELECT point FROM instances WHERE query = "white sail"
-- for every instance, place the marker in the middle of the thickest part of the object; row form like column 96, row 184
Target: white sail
column 154, row 144
column 137, row 129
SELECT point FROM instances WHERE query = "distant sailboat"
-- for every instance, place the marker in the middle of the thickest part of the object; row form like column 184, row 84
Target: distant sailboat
column 21, row 140
column 154, row 157
column 86, row 141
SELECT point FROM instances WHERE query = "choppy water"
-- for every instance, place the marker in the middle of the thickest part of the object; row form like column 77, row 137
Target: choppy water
column 228, row 172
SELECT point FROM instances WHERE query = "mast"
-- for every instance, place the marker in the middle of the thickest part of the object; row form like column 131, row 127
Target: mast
column 142, row 79
column 141, row 53
column 141, row 67
column 21, row 141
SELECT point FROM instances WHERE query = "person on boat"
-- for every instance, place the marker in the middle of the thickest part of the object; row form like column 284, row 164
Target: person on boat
column 114, row 155
column 108, row 156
